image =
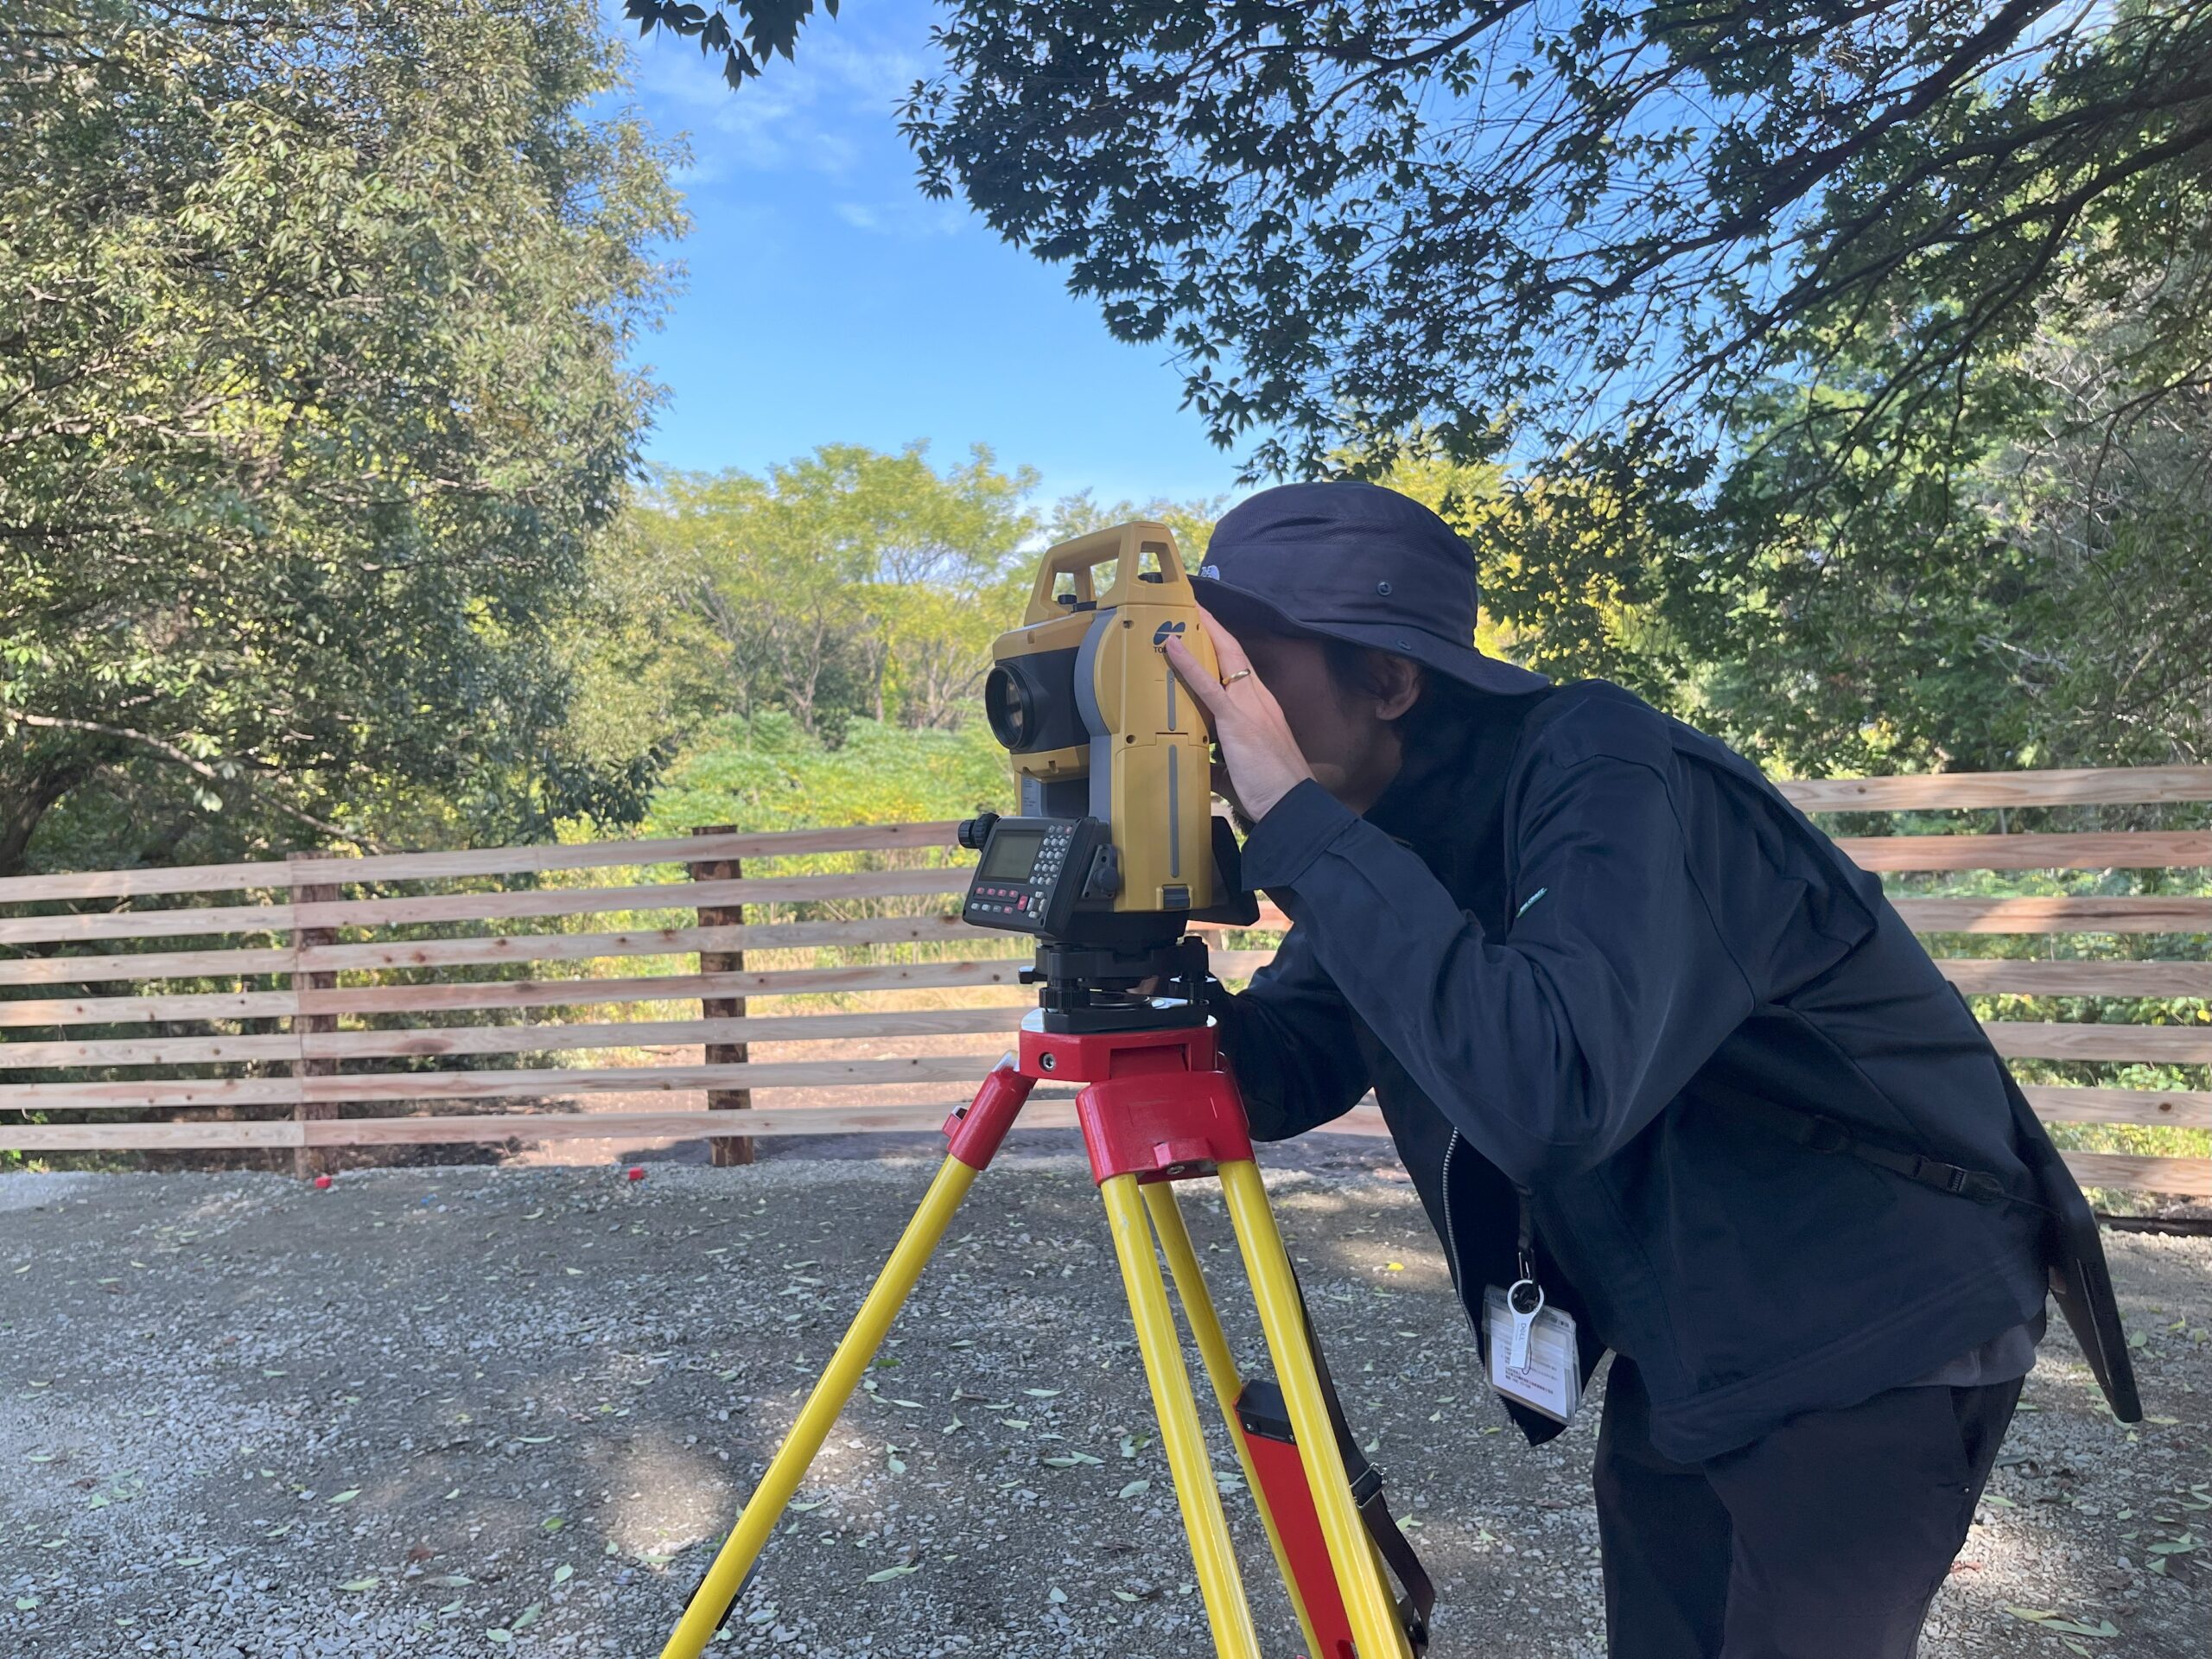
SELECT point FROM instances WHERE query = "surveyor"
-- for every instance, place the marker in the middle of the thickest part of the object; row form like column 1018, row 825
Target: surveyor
column 1671, row 1076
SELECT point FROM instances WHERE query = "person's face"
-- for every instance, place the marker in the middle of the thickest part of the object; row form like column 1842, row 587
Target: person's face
column 1348, row 736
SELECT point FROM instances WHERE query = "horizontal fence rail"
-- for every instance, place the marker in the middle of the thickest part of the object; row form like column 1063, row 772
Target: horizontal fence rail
column 467, row 997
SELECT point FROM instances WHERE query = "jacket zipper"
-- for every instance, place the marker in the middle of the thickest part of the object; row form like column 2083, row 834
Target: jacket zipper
column 1451, row 1231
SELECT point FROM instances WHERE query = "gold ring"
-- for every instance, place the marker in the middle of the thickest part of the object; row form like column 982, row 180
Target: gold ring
column 1241, row 674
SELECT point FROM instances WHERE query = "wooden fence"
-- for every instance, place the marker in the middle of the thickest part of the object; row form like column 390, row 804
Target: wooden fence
column 213, row 997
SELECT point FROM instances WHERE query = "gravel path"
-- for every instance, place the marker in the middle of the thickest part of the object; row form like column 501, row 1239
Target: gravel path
column 478, row 1411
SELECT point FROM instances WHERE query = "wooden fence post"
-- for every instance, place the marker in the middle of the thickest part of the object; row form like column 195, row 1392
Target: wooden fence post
column 311, row 1161
column 723, row 1150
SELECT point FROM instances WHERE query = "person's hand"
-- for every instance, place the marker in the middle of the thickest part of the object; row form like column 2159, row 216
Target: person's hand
column 1262, row 760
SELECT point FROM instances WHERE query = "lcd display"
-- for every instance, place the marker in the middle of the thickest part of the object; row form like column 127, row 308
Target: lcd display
column 1011, row 855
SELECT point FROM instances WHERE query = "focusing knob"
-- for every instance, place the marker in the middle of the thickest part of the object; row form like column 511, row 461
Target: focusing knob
column 976, row 831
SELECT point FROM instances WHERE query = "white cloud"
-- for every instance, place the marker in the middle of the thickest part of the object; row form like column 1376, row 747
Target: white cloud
column 904, row 217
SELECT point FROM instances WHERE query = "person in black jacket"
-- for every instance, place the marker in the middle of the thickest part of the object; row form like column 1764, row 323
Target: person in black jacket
column 1646, row 1039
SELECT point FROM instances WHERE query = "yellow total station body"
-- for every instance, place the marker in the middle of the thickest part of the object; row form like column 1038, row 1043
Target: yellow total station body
column 1099, row 725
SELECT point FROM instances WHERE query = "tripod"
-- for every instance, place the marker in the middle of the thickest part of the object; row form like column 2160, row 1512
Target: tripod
column 1157, row 1108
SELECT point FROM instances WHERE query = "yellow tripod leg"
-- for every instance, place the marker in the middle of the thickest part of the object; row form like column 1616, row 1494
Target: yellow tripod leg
column 710, row 1602
column 1181, row 1437
column 1375, row 1626
column 1221, row 1368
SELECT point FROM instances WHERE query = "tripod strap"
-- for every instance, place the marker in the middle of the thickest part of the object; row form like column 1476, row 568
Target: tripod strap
column 1419, row 1602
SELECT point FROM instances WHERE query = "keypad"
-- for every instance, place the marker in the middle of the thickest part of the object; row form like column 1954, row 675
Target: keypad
column 1027, row 899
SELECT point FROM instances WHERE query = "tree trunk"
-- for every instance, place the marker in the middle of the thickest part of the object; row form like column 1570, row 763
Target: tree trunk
column 28, row 790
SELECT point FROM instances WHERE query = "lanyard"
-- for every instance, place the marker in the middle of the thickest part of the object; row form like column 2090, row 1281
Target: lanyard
column 1525, row 1241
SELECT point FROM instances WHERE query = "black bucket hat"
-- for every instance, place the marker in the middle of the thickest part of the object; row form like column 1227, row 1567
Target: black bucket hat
column 1353, row 561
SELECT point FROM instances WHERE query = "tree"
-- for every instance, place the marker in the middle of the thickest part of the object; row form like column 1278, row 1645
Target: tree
column 1351, row 221
column 848, row 583
column 314, row 324
column 2027, row 582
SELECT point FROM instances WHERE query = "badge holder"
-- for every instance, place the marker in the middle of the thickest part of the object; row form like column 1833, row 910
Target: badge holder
column 1532, row 1358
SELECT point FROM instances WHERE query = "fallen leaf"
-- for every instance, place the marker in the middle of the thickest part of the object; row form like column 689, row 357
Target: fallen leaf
column 360, row 1584
column 895, row 1572
column 345, row 1497
column 1041, row 1393
column 1135, row 1487
column 563, row 1572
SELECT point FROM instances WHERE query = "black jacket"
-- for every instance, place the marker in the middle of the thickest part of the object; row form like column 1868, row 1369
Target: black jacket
column 1564, row 948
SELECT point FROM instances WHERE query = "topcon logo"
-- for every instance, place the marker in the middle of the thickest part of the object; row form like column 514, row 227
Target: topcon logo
column 1163, row 633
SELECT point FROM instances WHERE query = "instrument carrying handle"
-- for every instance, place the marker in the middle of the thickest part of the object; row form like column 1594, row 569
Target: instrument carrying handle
column 1128, row 547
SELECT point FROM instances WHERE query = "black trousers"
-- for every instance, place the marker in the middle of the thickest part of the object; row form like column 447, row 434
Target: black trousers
column 1825, row 1539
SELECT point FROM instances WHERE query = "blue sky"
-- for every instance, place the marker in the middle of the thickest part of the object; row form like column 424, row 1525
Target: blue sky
column 827, row 300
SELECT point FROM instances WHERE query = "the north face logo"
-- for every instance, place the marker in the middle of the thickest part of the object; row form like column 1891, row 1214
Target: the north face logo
column 1211, row 572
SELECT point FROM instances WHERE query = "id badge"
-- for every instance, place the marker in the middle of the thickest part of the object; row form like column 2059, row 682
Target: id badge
column 1534, row 1361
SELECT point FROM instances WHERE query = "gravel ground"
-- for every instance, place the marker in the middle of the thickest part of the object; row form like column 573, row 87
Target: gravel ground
column 472, row 1411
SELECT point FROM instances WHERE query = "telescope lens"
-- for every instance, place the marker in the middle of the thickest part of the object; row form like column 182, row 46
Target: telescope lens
column 1006, row 707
